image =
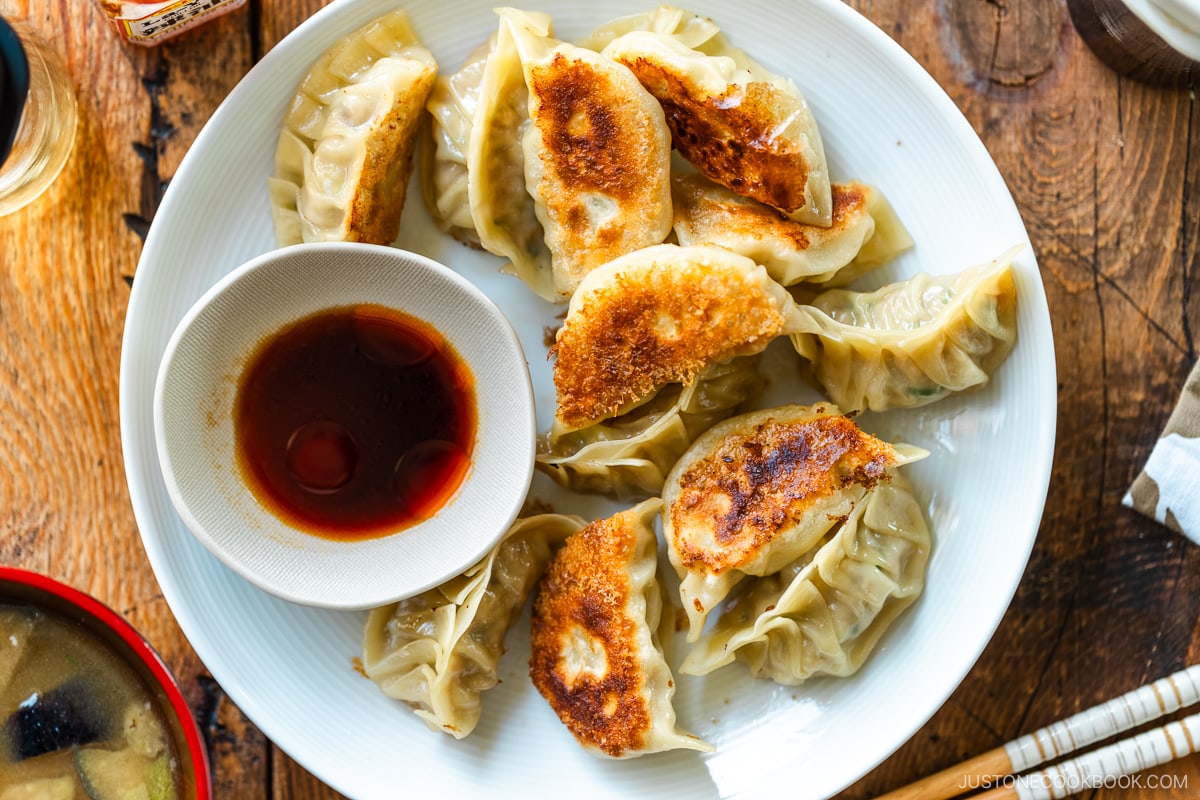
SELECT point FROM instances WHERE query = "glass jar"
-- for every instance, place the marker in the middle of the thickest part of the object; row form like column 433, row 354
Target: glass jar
column 151, row 23
column 37, row 115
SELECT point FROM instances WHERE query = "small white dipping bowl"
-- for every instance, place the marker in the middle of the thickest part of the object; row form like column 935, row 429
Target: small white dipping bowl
column 194, row 401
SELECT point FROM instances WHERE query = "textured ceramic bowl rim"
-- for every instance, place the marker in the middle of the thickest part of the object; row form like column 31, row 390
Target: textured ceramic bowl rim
column 22, row 586
column 193, row 420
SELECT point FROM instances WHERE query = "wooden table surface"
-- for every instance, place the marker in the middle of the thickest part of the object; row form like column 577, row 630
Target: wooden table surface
column 1105, row 171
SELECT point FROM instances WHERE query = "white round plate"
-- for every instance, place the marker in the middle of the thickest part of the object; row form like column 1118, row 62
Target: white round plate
column 291, row 669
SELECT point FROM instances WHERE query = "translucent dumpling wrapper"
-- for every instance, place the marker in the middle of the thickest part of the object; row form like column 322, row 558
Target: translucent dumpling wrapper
column 345, row 153
column 741, row 125
column 597, row 156
column 689, row 28
column 824, row 613
column 596, row 653
column 502, row 211
column 438, row 651
column 658, row 316
column 630, row 455
column 864, row 232
column 913, row 342
column 757, row 491
column 445, row 179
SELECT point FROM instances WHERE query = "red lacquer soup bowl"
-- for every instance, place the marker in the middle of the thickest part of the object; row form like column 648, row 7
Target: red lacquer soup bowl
column 87, row 707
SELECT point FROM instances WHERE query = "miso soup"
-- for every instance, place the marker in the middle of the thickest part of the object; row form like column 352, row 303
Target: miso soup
column 77, row 721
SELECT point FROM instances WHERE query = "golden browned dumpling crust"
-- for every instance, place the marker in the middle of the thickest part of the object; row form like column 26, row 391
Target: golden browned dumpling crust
column 585, row 658
column 374, row 215
column 731, row 136
column 754, row 482
column 599, row 142
column 578, row 127
column 645, row 329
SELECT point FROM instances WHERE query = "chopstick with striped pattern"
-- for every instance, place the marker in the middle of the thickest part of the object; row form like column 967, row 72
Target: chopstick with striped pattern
column 1102, row 766
column 1142, row 705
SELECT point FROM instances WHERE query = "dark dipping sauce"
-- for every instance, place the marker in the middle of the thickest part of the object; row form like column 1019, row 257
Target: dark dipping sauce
column 355, row 422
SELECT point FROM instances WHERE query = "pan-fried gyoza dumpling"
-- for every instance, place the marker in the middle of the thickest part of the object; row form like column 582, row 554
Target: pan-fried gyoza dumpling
column 742, row 126
column 597, row 157
column 439, row 650
column 759, row 490
column 629, row 455
column 444, row 176
column 502, row 210
column 824, row 613
column 865, row 232
column 658, row 316
column 596, row 656
column 912, row 342
column 346, row 149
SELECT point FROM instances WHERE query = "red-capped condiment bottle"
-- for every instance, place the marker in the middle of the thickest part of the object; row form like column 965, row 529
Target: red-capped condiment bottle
column 152, row 23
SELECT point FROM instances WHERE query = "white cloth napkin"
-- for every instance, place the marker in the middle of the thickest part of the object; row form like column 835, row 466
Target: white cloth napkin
column 1168, row 488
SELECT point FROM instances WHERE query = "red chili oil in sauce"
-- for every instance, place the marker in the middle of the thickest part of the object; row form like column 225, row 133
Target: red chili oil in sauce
column 355, row 422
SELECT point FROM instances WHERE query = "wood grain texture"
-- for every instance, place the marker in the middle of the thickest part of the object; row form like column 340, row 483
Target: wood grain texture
column 1105, row 171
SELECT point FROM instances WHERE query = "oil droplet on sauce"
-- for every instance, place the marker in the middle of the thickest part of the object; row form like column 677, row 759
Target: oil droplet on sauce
column 355, row 422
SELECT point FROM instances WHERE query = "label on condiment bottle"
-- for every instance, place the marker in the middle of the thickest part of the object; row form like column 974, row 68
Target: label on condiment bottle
column 151, row 23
